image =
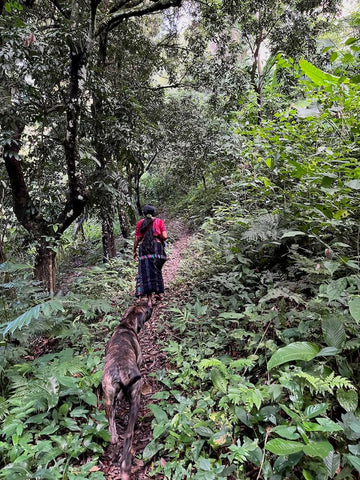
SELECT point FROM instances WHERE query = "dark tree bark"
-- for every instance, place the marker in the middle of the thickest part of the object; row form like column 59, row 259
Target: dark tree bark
column 124, row 224
column 2, row 253
column 45, row 266
column 257, row 78
column 80, row 47
column 108, row 240
column 25, row 210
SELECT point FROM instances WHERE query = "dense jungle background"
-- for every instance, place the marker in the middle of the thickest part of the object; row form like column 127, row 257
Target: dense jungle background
column 240, row 122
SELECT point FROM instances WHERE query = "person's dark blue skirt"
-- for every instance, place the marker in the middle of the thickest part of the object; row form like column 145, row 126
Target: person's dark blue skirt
column 149, row 279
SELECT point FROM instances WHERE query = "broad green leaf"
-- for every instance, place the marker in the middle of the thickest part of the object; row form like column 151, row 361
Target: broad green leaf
column 334, row 56
column 294, row 351
column 283, row 447
column 329, row 425
column 294, row 233
column 332, row 463
column 311, row 427
column 331, row 266
column 204, row 431
column 333, row 331
column 313, row 411
column 354, row 449
column 351, row 41
column 351, row 425
column 354, row 461
column 287, row 432
column 354, row 307
column 243, row 416
column 159, row 429
column 204, row 464
column 159, row 414
column 323, row 425
column 307, row 475
column 336, row 288
column 151, row 450
column 90, row 398
column 328, row 352
column 318, row 449
column 348, row 399
column 353, row 184
column 316, row 75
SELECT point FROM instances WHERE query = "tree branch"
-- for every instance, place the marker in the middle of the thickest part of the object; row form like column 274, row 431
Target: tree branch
column 117, row 18
column 66, row 13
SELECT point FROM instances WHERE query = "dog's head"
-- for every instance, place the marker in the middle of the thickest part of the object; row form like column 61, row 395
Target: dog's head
column 136, row 316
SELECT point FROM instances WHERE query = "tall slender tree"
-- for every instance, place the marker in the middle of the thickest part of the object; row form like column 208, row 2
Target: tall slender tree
column 48, row 51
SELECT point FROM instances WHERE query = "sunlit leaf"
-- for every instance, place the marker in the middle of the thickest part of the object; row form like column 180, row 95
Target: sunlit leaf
column 294, row 351
column 283, row 447
column 354, row 307
column 316, row 75
column 348, row 399
column 318, row 449
column 333, row 331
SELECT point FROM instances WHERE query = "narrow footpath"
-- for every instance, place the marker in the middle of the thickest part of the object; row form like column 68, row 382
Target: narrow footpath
column 153, row 360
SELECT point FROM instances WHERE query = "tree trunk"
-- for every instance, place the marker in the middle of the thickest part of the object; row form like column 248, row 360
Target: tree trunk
column 108, row 240
column 124, row 224
column 257, row 77
column 2, row 253
column 137, row 193
column 45, row 266
column 204, row 182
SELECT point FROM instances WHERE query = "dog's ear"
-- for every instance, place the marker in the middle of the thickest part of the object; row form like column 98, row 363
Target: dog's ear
column 130, row 319
column 143, row 316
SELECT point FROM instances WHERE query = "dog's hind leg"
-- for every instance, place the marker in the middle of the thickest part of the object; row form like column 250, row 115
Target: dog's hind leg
column 134, row 398
column 110, row 394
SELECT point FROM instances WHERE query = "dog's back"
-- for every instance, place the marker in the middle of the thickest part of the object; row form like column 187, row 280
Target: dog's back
column 122, row 359
column 121, row 376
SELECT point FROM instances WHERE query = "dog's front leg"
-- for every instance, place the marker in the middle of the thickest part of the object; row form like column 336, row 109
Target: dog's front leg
column 125, row 463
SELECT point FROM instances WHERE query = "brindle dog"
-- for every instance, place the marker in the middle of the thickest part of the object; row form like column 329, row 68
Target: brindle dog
column 121, row 376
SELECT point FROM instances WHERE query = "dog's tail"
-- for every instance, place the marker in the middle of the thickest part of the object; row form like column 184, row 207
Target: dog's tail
column 126, row 387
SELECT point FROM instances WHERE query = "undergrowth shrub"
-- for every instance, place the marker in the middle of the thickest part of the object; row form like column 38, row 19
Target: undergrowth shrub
column 263, row 382
column 51, row 358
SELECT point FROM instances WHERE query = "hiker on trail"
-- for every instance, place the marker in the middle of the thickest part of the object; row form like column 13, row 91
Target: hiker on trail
column 150, row 235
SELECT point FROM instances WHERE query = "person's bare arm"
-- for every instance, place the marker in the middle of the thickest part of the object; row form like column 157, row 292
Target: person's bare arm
column 136, row 243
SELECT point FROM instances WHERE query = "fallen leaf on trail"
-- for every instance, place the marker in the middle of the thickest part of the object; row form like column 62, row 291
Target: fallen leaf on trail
column 94, row 469
column 146, row 389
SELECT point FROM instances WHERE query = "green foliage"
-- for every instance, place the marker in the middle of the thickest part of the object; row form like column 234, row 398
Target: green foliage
column 272, row 332
column 51, row 415
column 51, row 357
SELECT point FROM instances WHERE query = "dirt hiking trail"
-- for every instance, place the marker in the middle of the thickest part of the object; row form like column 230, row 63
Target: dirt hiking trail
column 153, row 359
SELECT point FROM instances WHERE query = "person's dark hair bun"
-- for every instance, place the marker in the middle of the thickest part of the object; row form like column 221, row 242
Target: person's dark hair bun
column 149, row 210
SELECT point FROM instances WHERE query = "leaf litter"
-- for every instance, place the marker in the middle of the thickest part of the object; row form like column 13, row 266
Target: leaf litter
column 153, row 360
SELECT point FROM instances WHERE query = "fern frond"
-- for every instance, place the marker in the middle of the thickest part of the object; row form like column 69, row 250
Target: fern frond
column 282, row 292
column 241, row 363
column 4, row 408
column 263, row 228
column 90, row 307
column 213, row 362
column 305, row 264
column 324, row 385
column 25, row 319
